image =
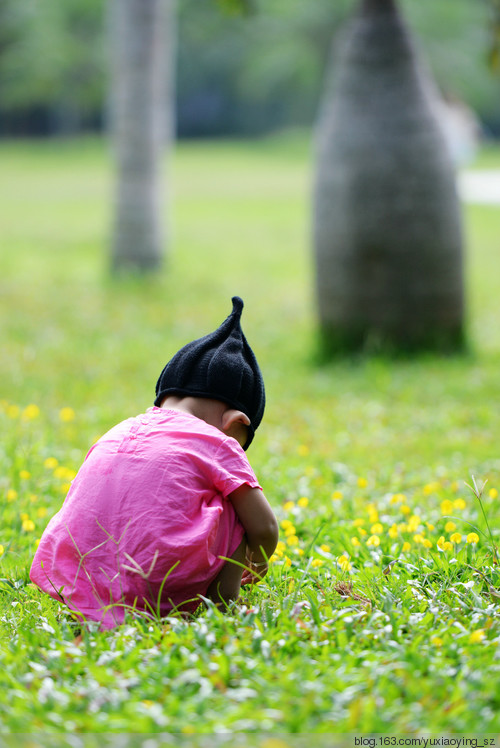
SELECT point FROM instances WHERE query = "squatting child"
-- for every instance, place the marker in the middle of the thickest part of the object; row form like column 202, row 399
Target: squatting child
column 166, row 507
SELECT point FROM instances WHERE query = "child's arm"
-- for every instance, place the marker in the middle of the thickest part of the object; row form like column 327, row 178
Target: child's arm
column 261, row 529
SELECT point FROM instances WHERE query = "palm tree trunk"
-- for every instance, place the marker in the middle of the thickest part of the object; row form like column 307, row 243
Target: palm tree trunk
column 387, row 221
column 141, row 105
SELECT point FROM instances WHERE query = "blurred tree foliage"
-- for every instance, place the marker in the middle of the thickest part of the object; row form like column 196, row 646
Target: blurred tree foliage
column 494, row 57
column 52, row 59
column 251, row 74
column 238, row 72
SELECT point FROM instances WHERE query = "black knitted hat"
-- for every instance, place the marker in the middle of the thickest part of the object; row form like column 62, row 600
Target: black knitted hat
column 220, row 365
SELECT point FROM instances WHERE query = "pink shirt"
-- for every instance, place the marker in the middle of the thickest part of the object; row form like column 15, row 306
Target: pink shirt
column 148, row 507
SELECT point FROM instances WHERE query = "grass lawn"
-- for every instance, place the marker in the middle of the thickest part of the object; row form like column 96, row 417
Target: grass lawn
column 381, row 611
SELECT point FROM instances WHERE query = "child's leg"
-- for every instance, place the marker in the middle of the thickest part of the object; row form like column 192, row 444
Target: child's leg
column 226, row 585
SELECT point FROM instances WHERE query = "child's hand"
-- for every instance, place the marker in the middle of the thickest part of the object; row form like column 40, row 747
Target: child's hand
column 254, row 572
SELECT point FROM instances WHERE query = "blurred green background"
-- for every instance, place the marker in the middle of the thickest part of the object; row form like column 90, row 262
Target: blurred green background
column 240, row 209
column 73, row 336
column 236, row 73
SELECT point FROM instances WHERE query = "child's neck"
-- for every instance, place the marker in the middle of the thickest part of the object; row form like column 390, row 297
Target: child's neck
column 205, row 408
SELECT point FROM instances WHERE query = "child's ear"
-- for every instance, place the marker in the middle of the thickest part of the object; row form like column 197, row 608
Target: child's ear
column 232, row 416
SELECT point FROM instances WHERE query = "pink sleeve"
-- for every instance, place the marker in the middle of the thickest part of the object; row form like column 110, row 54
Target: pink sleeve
column 231, row 468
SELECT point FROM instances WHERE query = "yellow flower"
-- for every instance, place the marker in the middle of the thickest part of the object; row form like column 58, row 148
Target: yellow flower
column 414, row 523
column 450, row 526
column 28, row 525
column 299, row 551
column 398, row 498
column 418, row 538
column 24, row 474
column 288, row 562
column 337, row 496
column 393, row 531
column 292, row 540
column 286, row 523
column 280, row 547
column 37, row 542
column 459, row 504
column 472, row 537
column 67, row 414
column 41, row 511
column 355, row 541
column 288, row 506
column 493, row 493
column 373, row 540
column 456, row 537
column 376, row 529
column 358, row 522
column 431, row 488
column 406, row 509
column 406, row 547
column 362, row 532
column 30, row 412
column 65, row 487
column 303, row 450
column 344, row 563
column 362, row 483
column 303, row 501
column 64, row 473
column 51, row 463
column 2, row 550
column 11, row 495
column 446, row 506
column 290, row 530
column 403, row 527
column 444, row 545
column 437, row 641
column 12, row 411
column 477, row 636
column 325, row 548
column 430, row 526
column 316, row 562
column 426, row 543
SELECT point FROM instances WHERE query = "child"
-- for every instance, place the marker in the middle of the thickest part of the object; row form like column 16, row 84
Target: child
column 166, row 507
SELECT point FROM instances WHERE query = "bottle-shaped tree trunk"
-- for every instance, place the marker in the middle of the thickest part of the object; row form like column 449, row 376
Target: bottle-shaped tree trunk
column 387, row 221
column 141, row 114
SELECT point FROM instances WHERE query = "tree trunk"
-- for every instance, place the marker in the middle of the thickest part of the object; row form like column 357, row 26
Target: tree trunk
column 141, row 124
column 387, row 221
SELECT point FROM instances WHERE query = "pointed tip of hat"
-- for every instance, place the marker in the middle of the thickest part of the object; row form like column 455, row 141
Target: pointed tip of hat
column 237, row 305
